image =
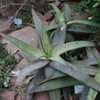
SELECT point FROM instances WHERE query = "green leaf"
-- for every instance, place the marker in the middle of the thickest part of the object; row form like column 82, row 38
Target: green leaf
column 53, row 84
column 58, row 36
column 51, row 27
column 92, row 93
column 73, row 71
column 84, row 66
column 67, row 12
column 58, row 15
column 28, row 50
column 77, row 29
column 84, row 22
column 97, row 0
column 29, row 70
column 60, row 49
column 51, row 73
column 44, row 41
column 37, row 21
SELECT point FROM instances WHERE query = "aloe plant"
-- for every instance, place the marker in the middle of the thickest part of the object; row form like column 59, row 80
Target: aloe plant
column 49, row 54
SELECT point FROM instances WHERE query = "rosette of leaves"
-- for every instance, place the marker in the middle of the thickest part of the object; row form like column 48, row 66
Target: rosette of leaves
column 7, row 63
column 48, row 55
